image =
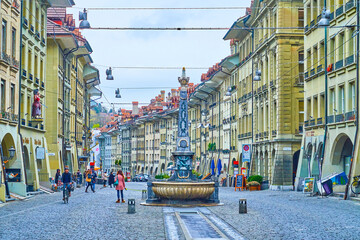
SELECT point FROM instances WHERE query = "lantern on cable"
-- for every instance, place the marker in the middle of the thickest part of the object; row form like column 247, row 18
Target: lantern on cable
column 109, row 75
column 257, row 75
column 83, row 18
column 228, row 93
column 117, row 93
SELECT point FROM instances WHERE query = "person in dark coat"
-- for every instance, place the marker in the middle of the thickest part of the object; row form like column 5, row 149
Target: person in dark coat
column 111, row 179
column 57, row 176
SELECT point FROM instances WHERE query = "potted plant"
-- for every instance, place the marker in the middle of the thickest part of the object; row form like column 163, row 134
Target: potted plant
column 254, row 182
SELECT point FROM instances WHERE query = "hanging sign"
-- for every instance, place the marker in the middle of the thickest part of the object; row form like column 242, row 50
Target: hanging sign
column 13, row 175
column 246, row 152
column 40, row 153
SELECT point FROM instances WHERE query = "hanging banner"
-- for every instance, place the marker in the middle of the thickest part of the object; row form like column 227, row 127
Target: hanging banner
column 246, row 152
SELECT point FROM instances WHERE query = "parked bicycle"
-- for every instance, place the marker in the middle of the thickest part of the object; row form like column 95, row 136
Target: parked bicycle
column 355, row 186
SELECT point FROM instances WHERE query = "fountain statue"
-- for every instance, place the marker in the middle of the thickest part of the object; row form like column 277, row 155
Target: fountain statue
column 183, row 188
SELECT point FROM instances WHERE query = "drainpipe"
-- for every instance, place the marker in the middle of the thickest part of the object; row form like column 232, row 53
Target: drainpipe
column 252, row 101
column 357, row 99
column 19, row 104
column 166, row 123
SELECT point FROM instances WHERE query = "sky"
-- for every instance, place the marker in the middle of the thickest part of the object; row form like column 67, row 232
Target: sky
column 155, row 48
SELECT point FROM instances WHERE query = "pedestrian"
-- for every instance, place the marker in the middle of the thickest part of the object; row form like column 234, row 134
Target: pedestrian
column 89, row 181
column 120, row 186
column 79, row 177
column 111, row 179
column 66, row 177
column 104, row 177
column 93, row 179
column 57, row 176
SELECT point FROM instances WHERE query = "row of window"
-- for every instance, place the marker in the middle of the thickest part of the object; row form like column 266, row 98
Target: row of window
column 5, row 40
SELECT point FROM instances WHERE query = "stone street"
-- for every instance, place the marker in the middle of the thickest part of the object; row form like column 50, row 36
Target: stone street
column 271, row 215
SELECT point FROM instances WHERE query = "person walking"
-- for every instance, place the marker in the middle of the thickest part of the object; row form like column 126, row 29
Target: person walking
column 93, row 179
column 104, row 177
column 89, row 181
column 120, row 179
column 57, row 176
column 111, row 179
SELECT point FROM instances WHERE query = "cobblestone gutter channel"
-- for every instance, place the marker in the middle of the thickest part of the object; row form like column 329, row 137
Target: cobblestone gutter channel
column 196, row 223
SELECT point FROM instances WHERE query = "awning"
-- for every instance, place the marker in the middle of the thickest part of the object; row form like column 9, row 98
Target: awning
column 237, row 30
column 83, row 158
column 230, row 62
column 91, row 75
column 94, row 92
column 169, row 164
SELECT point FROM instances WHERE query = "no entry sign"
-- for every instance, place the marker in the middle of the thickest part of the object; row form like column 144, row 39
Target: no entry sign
column 246, row 152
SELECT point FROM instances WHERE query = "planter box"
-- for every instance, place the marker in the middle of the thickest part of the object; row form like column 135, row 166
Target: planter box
column 254, row 188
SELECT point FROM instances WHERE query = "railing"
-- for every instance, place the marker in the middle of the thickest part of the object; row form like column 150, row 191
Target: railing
column 330, row 119
column 273, row 132
column 306, row 28
column 25, row 22
column 15, row 63
column 32, row 29
column 37, row 80
column 339, row 11
column 30, row 76
column 307, row 123
column 339, row 118
column 350, row 116
column 331, row 16
column 349, row 60
column 339, row 64
column 306, row 75
column 312, row 23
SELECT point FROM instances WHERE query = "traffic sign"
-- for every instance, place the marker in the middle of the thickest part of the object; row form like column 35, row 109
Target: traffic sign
column 246, row 152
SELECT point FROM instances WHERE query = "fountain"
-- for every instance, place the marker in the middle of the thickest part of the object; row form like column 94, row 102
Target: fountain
column 183, row 188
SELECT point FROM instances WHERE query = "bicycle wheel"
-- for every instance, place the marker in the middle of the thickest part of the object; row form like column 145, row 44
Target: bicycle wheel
column 355, row 187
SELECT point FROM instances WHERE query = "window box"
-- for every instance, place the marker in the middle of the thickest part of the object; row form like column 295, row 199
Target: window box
column 319, row 121
column 37, row 35
column 42, row 41
column 319, row 68
column 23, row 122
column 37, row 81
column 306, row 75
column 32, row 29
column 312, row 72
column 24, row 73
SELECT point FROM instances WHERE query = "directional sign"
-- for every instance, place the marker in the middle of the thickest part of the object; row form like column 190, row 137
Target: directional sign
column 246, row 152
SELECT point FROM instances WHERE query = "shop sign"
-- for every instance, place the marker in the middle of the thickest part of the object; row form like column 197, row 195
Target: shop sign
column 246, row 152
column 239, row 181
column 51, row 154
column 40, row 153
column 13, row 175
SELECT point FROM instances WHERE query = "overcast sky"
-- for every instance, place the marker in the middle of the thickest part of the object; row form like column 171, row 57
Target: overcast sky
column 155, row 48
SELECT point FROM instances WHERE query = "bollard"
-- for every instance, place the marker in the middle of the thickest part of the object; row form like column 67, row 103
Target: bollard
column 242, row 205
column 144, row 195
column 131, row 205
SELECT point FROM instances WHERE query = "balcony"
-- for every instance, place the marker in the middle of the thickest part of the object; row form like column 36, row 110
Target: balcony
column 5, row 58
column 319, row 68
column 23, row 122
column 349, row 60
column 15, row 63
column 350, row 4
column 306, row 28
column 42, row 41
column 25, row 23
column 339, row 64
column 350, row 116
column 37, row 81
column 330, row 119
column 319, row 121
column 273, row 132
column 306, row 75
column 42, row 85
column 339, row 118
column 339, row 11
column 312, row 23
column 312, row 122
column 331, row 16
column 307, row 123
column 31, row 77
column 37, row 35
column 312, row 72
column 32, row 29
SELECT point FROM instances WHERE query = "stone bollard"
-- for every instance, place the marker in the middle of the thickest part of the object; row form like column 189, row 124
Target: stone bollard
column 242, row 205
column 143, row 194
column 131, row 205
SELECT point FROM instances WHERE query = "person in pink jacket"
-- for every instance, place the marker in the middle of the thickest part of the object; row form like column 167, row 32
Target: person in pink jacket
column 121, row 186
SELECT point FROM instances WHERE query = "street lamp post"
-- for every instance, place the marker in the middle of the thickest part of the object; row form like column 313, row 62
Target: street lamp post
column 4, row 158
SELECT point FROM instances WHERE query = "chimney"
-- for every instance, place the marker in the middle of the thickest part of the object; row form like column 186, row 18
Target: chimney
column 163, row 94
column 173, row 92
column 135, row 108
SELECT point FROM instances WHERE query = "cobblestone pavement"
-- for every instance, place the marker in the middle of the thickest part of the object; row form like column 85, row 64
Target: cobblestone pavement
column 290, row 215
column 271, row 215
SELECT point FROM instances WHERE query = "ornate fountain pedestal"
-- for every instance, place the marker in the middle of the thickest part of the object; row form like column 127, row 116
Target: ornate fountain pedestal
column 183, row 188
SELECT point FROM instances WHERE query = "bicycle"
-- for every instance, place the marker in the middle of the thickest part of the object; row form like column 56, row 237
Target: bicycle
column 355, row 186
column 67, row 193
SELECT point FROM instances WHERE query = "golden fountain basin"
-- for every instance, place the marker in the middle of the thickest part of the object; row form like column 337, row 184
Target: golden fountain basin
column 183, row 190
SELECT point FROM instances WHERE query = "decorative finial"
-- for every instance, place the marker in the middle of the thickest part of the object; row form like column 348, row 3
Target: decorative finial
column 183, row 80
